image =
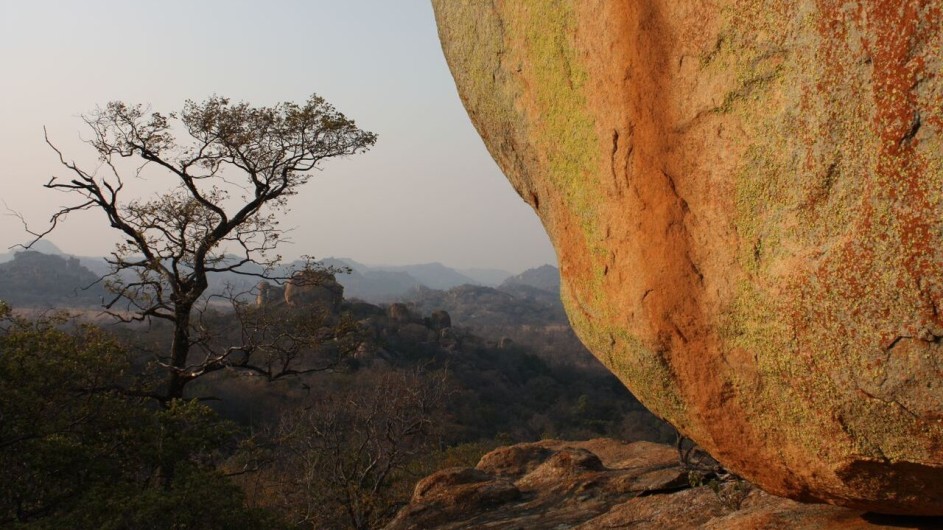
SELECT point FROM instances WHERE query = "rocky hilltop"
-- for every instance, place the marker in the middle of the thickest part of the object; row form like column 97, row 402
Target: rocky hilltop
column 36, row 279
column 745, row 198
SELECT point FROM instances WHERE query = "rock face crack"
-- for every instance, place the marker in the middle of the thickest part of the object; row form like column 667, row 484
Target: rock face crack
column 612, row 161
column 888, row 401
column 893, row 344
column 914, row 129
column 646, row 293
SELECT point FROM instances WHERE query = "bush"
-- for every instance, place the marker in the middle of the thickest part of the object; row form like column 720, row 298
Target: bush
column 79, row 449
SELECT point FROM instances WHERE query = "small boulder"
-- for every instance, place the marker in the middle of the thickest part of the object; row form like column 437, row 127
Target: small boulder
column 439, row 320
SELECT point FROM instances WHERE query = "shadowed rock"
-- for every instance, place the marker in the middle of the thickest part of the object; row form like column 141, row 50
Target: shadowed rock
column 400, row 313
column 439, row 320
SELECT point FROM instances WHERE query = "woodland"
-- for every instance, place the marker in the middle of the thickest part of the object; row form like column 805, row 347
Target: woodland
column 184, row 401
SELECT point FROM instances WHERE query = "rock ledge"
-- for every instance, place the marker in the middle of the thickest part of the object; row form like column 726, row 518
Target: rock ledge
column 604, row 483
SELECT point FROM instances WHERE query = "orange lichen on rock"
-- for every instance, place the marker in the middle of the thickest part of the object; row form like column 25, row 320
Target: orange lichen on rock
column 745, row 197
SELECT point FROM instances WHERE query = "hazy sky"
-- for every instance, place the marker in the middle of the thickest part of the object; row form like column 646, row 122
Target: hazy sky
column 428, row 191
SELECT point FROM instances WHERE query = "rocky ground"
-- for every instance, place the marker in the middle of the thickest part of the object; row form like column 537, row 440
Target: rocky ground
column 605, row 483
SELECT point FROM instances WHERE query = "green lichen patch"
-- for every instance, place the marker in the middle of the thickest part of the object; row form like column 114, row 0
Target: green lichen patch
column 643, row 371
column 563, row 128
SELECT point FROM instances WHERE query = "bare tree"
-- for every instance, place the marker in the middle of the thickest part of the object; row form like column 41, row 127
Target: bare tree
column 230, row 169
column 343, row 459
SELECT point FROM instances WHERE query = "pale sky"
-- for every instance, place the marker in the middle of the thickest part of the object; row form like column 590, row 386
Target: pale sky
column 428, row 191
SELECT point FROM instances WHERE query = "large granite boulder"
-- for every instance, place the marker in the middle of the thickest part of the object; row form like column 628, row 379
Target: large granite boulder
column 745, row 199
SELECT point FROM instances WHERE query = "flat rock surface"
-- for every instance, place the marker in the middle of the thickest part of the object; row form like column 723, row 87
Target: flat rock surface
column 609, row 484
column 746, row 199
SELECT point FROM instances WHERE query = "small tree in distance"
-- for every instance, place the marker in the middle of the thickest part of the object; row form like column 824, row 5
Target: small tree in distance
column 230, row 170
column 344, row 459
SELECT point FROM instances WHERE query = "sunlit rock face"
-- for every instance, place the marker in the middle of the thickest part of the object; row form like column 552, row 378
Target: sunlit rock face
column 314, row 290
column 745, row 198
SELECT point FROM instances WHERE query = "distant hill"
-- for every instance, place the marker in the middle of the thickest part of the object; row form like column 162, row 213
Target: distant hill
column 36, row 279
column 387, row 283
column 97, row 265
column 486, row 307
column 545, row 277
column 487, row 277
column 43, row 246
column 370, row 284
column 433, row 275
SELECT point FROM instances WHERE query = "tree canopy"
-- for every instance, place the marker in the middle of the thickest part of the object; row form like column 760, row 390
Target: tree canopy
column 229, row 170
column 76, row 452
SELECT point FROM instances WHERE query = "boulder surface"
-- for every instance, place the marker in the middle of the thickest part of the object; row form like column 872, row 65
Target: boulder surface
column 745, row 200
column 605, row 483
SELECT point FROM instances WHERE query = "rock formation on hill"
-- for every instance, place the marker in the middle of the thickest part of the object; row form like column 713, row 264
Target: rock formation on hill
column 268, row 294
column 35, row 279
column 745, row 198
column 314, row 289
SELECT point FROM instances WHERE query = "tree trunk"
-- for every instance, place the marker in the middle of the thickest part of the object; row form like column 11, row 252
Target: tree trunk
column 179, row 352
column 176, row 379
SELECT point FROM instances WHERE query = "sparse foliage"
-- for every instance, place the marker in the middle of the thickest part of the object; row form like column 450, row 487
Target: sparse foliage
column 342, row 462
column 703, row 470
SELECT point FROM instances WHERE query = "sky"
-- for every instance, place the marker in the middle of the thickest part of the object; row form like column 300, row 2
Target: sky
column 427, row 192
